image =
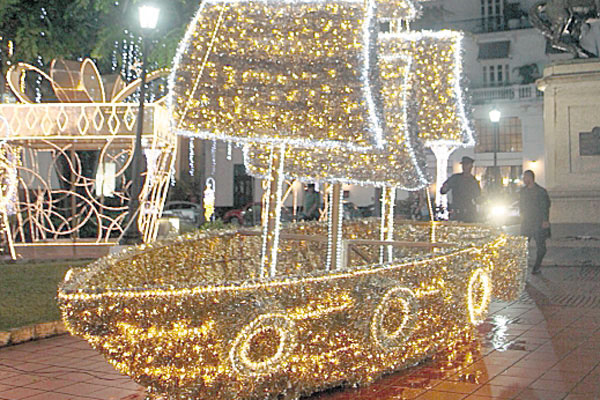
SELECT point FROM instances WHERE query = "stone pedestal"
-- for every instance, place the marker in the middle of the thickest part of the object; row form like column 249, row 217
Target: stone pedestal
column 572, row 139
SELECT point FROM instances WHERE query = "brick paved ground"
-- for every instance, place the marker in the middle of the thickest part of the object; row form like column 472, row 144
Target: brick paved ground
column 545, row 346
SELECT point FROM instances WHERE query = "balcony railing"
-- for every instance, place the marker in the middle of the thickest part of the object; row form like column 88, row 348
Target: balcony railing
column 479, row 25
column 507, row 93
column 92, row 121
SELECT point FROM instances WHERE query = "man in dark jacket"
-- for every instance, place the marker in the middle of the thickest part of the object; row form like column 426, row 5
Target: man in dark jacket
column 465, row 192
column 312, row 203
column 534, row 204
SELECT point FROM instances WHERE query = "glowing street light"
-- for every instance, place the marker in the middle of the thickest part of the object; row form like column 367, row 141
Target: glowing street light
column 148, row 16
column 495, row 116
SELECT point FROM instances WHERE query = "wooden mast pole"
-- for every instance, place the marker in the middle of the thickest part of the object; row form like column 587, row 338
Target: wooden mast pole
column 335, row 250
column 271, row 215
column 388, row 200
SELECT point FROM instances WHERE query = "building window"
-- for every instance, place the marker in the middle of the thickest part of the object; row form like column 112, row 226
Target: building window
column 496, row 75
column 492, row 15
column 510, row 137
column 510, row 176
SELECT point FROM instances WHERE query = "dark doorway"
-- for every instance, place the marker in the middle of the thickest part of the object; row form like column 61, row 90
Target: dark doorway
column 242, row 186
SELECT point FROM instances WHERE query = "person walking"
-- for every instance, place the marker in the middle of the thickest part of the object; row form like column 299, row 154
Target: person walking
column 465, row 192
column 312, row 203
column 534, row 206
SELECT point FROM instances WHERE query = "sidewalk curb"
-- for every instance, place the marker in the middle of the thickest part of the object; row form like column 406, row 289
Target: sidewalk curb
column 562, row 265
column 31, row 332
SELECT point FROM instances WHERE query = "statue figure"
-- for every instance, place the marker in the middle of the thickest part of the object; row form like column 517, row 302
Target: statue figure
column 565, row 23
column 528, row 73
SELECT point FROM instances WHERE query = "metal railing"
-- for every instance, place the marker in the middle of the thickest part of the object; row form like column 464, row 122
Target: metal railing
column 56, row 195
column 480, row 25
column 81, row 121
column 507, row 93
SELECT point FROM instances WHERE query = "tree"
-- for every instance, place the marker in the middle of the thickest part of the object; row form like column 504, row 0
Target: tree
column 41, row 31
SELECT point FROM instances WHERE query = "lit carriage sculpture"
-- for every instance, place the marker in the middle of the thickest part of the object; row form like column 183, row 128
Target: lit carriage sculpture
column 280, row 312
column 69, row 157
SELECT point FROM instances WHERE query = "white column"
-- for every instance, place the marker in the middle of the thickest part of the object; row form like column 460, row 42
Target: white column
column 442, row 154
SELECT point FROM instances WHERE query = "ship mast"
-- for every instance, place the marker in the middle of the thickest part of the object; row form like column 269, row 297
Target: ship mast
column 335, row 216
column 271, row 214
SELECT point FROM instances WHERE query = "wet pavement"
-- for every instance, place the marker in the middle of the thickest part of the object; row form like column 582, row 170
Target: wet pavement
column 544, row 346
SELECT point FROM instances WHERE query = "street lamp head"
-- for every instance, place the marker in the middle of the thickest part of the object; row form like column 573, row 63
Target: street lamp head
column 148, row 16
column 495, row 115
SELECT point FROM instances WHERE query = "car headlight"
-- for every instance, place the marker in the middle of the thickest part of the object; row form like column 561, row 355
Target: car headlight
column 498, row 211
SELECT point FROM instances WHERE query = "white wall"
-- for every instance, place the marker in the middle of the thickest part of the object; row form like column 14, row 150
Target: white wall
column 459, row 10
column 361, row 195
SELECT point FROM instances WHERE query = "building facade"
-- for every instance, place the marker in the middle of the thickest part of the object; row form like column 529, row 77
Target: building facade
column 503, row 57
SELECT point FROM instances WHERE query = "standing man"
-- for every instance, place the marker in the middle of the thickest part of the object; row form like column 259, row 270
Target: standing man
column 312, row 203
column 465, row 192
column 534, row 205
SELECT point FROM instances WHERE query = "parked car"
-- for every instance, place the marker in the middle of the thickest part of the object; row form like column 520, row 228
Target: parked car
column 185, row 211
column 367, row 211
column 351, row 211
column 249, row 215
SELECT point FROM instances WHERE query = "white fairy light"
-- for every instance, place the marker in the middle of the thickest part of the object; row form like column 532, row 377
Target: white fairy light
column 278, row 205
column 388, row 198
column 340, row 249
column 191, row 157
column 213, row 157
column 390, row 223
column 152, row 156
column 329, row 228
column 382, row 227
column 277, row 215
column 330, row 225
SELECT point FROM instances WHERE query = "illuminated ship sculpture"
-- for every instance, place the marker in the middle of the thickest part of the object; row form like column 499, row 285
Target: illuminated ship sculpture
column 313, row 92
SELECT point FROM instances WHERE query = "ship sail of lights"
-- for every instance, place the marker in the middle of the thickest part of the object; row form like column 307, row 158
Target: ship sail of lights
column 313, row 91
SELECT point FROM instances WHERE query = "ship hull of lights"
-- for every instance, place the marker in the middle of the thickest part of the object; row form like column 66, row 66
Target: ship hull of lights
column 190, row 318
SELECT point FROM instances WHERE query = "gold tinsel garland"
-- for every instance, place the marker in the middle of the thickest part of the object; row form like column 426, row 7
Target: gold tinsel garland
column 419, row 76
column 437, row 107
column 189, row 319
column 274, row 72
column 394, row 165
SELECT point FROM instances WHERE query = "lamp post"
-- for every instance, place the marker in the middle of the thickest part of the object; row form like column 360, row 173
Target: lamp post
column 148, row 16
column 495, row 116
